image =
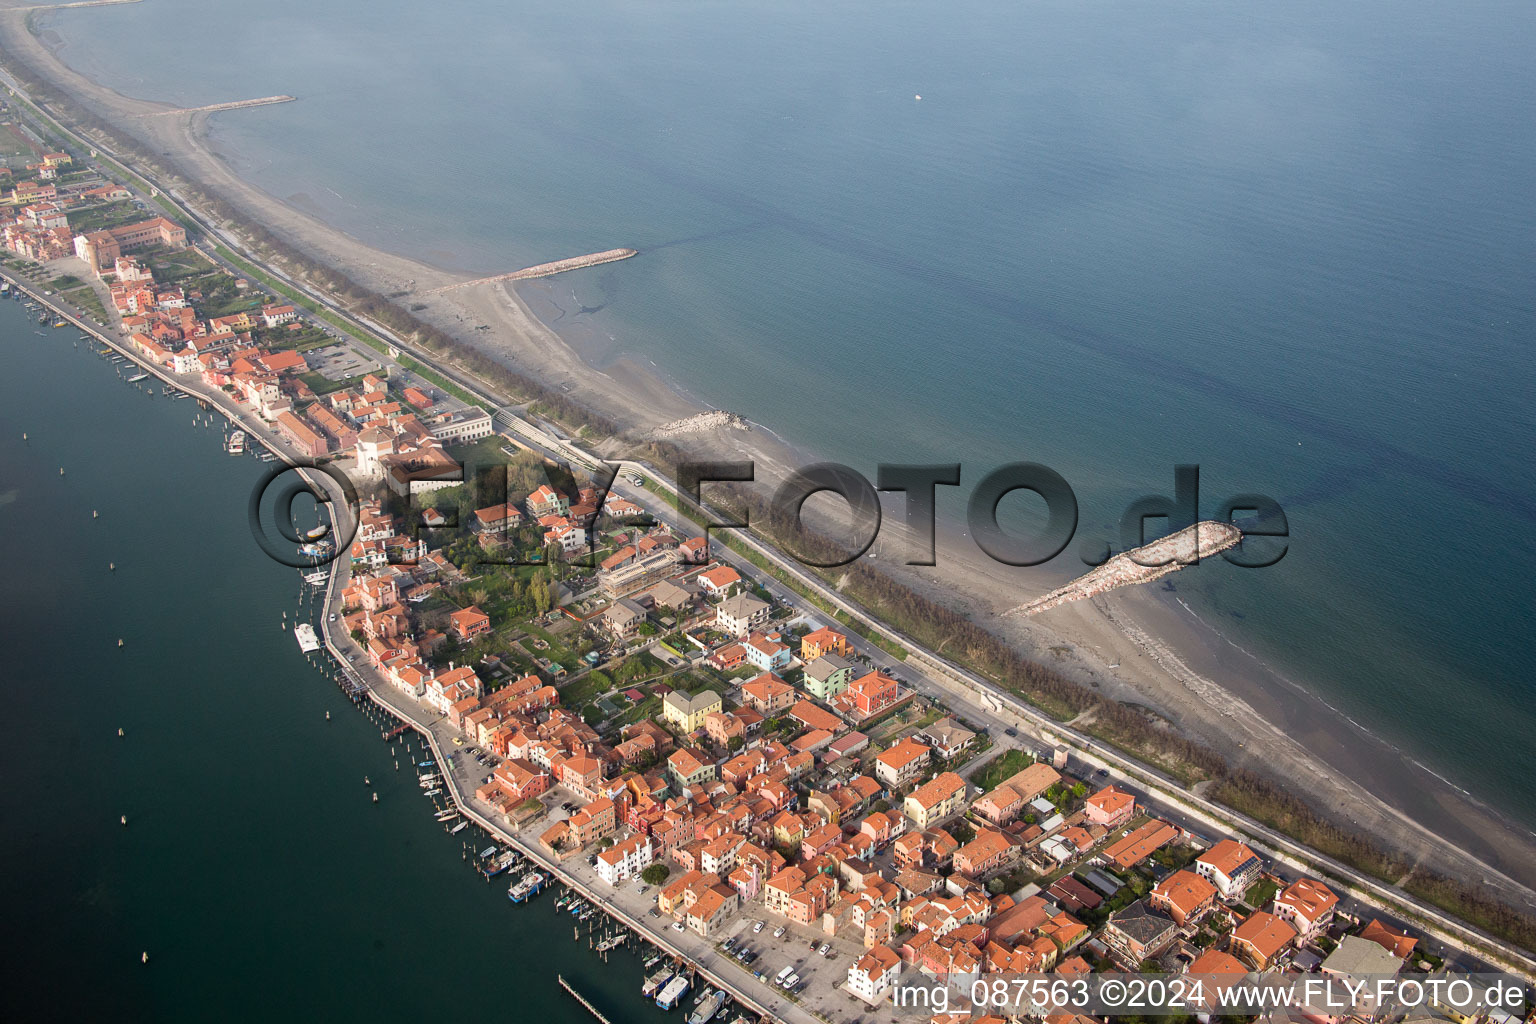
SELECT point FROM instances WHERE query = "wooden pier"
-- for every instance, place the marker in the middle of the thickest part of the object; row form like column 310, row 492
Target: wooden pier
column 594, row 1011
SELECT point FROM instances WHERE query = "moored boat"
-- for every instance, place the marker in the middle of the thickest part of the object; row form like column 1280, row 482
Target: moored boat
column 655, row 982
column 708, row 1007
column 673, row 992
column 526, row 888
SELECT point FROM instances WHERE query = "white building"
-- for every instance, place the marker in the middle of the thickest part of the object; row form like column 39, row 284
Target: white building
column 741, row 614
column 875, row 974
column 625, row 859
column 1231, row 867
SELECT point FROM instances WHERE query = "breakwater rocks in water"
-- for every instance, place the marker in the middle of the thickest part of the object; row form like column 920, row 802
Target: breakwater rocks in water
column 1142, row 565
column 716, row 419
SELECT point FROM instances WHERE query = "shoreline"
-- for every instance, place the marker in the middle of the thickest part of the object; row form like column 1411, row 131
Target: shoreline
column 641, row 400
column 1218, row 822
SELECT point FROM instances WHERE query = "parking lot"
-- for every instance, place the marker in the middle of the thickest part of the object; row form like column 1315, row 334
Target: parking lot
column 338, row 362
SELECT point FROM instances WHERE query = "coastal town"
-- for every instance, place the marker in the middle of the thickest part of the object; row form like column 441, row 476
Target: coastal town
column 664, row 730
column 751, row 777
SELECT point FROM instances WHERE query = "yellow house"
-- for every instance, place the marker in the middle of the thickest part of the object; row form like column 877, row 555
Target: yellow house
column 935, row 800
column 687, row 713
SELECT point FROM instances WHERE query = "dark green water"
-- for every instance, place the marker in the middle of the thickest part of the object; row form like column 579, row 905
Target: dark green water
column 255, row 870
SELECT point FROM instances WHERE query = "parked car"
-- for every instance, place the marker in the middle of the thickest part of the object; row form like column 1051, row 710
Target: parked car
column 757, row 927
column 825, row 946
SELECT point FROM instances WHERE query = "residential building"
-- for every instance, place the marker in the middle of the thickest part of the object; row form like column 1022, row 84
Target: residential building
column 546, row 501
column 624, row 860
column 1259, row 940
column 622, row 620
column 1109, row 807
column 1183, row 896
column 768, row 694
column 822, row 642
column 936, row 800
column 901, row 764
column 1231, row 867
column 989, row 851
column 873, row 976
column 687, row 769
column 1007, row 800
column 686, row 712
column 828, row 676
column 1139, row 844
column 948, row 738
column 1307, row 905
column 1363, row 963
column 718, row 580
column 712, row 909
column 1138, row 933
column 468, row 623
column 741, row 614
column 766, row 654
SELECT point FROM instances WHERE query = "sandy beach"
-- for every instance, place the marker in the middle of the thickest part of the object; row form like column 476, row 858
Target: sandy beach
column 1140, row 646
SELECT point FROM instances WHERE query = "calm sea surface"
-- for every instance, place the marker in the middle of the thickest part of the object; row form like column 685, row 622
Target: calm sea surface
column 1293, row 244
column 255, row 869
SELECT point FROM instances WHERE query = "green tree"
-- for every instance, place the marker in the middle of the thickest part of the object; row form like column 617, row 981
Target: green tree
column 1079, row 790
column 734, row 744
column 655, row 874
column 538, row 594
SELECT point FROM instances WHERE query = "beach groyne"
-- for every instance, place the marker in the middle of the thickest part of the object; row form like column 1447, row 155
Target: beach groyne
column 1149, row 562
column 545, row 269
column 260, row 101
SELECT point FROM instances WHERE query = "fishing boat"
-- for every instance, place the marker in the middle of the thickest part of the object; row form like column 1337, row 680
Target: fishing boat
column 651, row 961
column 61, row 323
column 708, row 1007
column 655, row 982
column 316, row 549
column 673, row 992
column 576, row 907
column 317, row 579
column 425, row 764
column 505, row 860
column 438, row 792
column 236, row 443
column 526, row 888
